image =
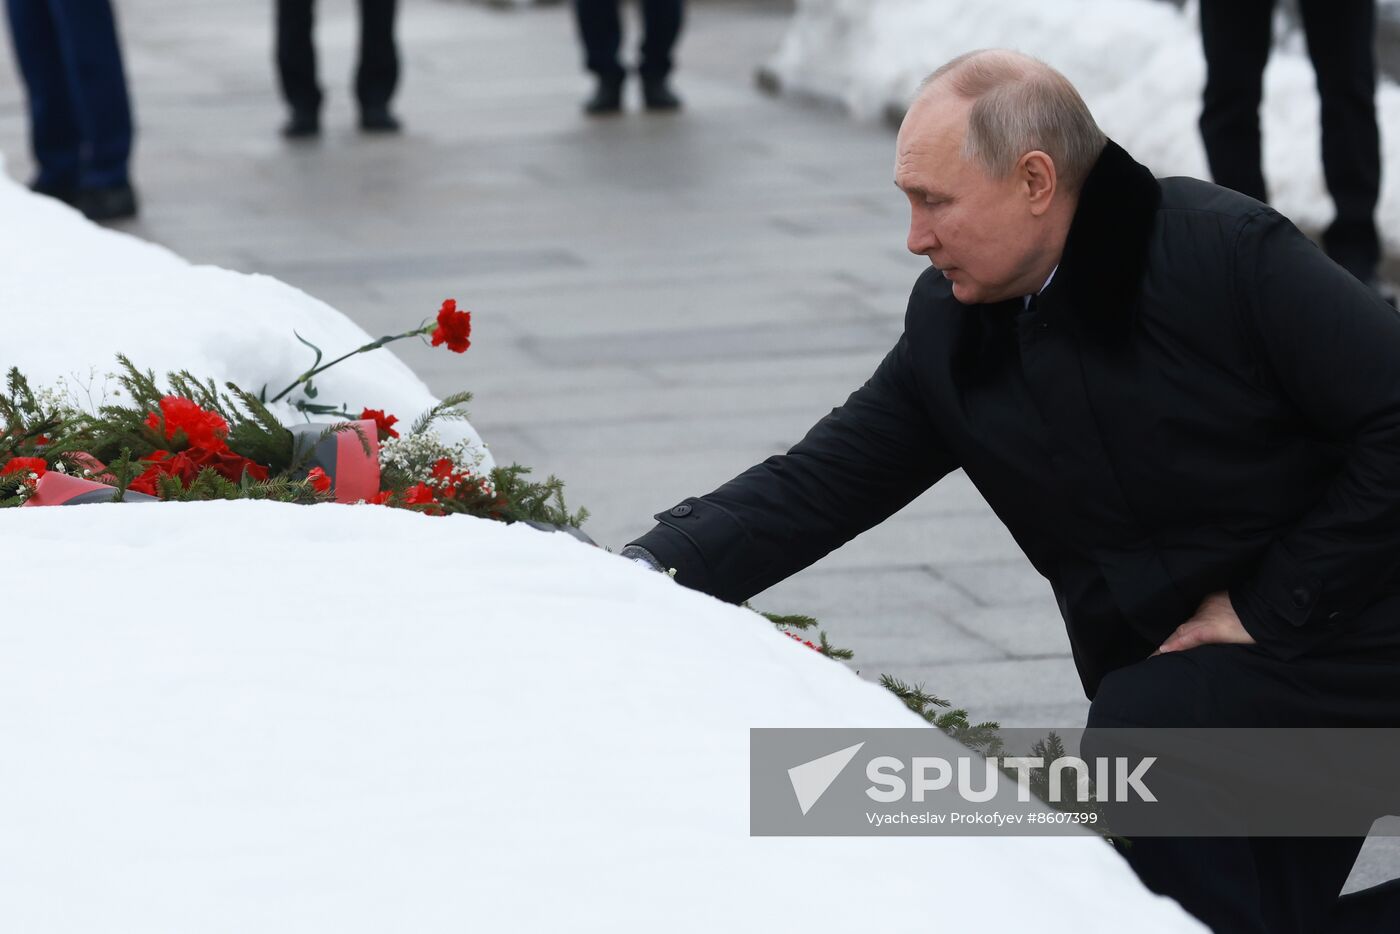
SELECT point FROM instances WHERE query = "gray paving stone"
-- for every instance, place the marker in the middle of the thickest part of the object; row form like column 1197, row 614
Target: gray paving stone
column 1000, row 583
column 908, row 539
column 1031, row 630
column 720, row 343
column 880, row 602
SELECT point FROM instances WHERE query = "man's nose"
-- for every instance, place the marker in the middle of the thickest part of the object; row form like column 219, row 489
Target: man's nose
column 922, row 238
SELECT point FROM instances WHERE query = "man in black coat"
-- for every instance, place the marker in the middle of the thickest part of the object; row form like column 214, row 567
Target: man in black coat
column 1186, row 414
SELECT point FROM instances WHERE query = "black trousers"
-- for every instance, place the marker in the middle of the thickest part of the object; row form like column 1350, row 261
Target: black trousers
column 377, row 74
column 600, row 25
column 1341, row 42
column 1260, row 885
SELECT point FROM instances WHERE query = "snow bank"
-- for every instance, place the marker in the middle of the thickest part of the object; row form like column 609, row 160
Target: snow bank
column 348, row 718
column 1138, row 64
column 73, row 295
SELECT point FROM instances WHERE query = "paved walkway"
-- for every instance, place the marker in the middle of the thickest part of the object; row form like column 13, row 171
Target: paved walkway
column 660, row 301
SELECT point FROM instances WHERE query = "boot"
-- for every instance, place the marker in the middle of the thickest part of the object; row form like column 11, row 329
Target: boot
column 657, row 95
column 304, row 123
column 606, row 99
column 107, row 204
column 377, row 119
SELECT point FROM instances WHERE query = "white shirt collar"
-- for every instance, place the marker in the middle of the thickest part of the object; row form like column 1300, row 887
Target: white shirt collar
column 1026, row 300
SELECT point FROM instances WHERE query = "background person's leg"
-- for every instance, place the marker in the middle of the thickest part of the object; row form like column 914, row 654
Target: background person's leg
column 600, row 29
column 87, row 35
column 296, row 55
column 377, row 75
column 1236, row 36
column 662, row 25
column 53, row 122
column 1341, row 42
column 661, row 22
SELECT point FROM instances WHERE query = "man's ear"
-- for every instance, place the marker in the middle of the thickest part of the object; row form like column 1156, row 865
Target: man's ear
column 1036, row 173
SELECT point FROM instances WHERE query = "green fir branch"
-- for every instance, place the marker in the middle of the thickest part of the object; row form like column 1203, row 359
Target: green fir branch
column 789, row 620
column 538, row 502
column 449, row 409
column 830, row 651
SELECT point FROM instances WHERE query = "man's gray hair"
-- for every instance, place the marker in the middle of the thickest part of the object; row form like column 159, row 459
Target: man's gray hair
column 1021, row 104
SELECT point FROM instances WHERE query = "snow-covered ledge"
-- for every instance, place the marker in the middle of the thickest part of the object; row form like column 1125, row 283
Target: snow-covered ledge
column 73, row 295
column 1138, row 64
column 370, row 720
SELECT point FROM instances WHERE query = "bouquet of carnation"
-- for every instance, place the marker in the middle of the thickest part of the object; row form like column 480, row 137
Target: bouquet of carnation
column 195, row 440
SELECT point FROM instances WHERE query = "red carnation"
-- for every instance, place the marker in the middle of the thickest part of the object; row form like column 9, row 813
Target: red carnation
column 204, row 430
column 319, row 481
column 186, row 466
column 419, row 494
column 382, row 423
column 24, row 466
column 453, row 327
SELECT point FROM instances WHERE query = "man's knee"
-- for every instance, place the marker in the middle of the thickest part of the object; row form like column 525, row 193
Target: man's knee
column 1161, row 691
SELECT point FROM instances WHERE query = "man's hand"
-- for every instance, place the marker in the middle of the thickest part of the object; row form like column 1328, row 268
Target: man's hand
column 1213, row 621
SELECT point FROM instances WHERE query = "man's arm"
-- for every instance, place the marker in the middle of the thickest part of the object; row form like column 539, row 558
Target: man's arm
column 853, row 469
column 1333, row 348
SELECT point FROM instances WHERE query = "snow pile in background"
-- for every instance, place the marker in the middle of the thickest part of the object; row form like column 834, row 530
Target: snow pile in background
column 1138, row 64
column 73, row 295
column 270, row 718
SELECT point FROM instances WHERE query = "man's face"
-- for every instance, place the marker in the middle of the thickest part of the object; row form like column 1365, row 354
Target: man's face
column 978, row 230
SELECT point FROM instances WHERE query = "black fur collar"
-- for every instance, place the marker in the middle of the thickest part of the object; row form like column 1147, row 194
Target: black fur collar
column 1101, row 270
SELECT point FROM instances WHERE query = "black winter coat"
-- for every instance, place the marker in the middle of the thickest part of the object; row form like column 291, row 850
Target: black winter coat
column 1200, row 401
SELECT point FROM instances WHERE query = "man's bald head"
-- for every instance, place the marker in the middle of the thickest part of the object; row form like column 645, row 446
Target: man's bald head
column 1017, row 104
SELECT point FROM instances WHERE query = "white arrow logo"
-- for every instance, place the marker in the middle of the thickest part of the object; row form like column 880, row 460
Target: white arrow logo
column 810, row 780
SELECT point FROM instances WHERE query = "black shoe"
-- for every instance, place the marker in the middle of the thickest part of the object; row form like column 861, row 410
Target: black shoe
column 106, row 204
column 67, row 195
column 606, row 99
column 302, row 124
column 377, row 119
column 657, row 95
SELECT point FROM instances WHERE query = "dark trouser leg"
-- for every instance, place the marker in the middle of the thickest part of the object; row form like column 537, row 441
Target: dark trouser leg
column 378, row 73
column 662, row 24
column 296, row 54
column 1282, row 885
column 1236, row 35
column 600, row 27
column 53, row 122
column 87, row 33
column 81, row 114
column 1341, row 43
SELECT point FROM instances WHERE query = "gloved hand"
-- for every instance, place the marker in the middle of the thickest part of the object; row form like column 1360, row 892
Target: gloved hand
column 643, row 557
